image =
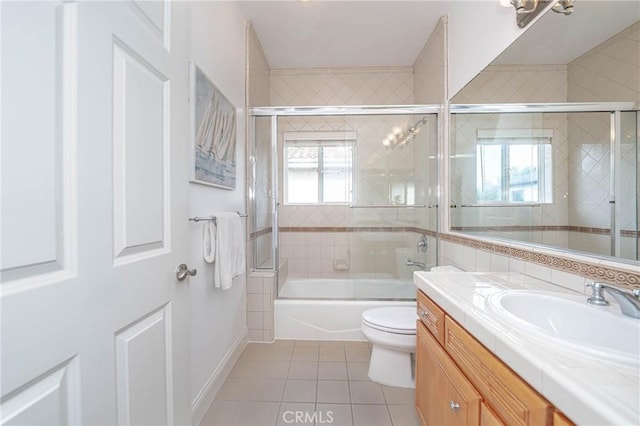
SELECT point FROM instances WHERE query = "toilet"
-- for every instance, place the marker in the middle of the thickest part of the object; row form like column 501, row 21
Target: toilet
column 392, row 333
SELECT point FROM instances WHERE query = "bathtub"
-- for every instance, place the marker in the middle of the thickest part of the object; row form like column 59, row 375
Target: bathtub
column 322, row 313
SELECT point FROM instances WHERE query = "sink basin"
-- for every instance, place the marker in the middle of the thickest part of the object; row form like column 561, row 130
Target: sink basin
column 569, row 321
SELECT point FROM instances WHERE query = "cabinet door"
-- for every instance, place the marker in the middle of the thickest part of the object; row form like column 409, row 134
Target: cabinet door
column 443, row 395
column 488, row 417
column 501, row 388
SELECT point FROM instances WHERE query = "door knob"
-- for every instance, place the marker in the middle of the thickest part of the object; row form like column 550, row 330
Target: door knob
column 182, row 272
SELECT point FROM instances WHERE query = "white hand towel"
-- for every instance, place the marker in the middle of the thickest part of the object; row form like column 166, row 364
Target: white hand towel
column 229, row 255
column 209, row 241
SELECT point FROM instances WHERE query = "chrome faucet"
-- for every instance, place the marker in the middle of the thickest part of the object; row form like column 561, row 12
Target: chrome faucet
column 414, row 263
column 629, row 301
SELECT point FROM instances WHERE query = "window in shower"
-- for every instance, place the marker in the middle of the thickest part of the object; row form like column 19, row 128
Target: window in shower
column 318, row 167
column 513, row 166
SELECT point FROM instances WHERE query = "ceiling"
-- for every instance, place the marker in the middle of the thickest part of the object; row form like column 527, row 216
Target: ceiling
column 316, row 34
column 342, row 33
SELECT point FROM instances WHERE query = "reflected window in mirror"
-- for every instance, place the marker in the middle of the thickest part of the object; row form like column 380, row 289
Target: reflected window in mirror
column 513, row 167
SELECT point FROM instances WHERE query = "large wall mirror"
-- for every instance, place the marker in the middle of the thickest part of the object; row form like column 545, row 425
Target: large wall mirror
column 561, row 173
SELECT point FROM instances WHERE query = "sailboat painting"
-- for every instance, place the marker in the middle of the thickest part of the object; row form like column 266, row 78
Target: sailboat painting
column 213, row 132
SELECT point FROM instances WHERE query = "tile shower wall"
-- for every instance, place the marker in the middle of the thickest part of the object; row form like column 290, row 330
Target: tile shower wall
column 367, row 254
column 371, row 254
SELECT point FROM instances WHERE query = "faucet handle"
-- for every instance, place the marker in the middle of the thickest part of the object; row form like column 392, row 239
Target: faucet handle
column 422, row 244
column 597, row 297
column 636, row 292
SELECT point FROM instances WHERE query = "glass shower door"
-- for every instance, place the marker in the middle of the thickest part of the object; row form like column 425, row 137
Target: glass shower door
column 261, row 193
column 627, row 187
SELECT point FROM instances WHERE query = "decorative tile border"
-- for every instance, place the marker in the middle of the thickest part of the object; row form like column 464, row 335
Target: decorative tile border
column 580, row 229
column 260, row 233
column 621, row 277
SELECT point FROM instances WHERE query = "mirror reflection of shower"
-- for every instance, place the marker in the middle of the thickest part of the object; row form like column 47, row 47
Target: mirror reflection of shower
column 399, row 137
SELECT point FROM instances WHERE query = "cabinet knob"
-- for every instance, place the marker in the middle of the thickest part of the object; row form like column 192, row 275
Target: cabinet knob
column 454, row 406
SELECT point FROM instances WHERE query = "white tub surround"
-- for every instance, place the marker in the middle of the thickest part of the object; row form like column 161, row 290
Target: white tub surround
column 587, row 389
column 324, row 319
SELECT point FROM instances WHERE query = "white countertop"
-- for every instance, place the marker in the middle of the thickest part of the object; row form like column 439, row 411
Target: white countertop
column 586, row 389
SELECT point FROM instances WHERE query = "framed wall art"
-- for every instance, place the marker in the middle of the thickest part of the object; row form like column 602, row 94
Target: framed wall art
column 213, row 133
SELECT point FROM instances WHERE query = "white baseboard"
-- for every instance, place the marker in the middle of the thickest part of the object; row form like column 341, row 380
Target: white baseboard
column 207, row 394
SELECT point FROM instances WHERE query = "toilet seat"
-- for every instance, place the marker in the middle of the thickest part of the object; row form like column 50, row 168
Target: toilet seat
column 393, row 319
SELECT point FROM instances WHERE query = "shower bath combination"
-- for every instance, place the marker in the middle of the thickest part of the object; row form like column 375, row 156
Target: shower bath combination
column 331, row 203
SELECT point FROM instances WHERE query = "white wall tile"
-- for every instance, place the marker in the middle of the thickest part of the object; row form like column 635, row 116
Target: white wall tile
column 499, row 263
column 483, row 261
column 566, row 280
column 254, row 302
column 254, row 284
column 468, row 261
column 537, row 271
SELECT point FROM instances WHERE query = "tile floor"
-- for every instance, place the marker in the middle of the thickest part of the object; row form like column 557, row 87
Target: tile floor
column 308, row 383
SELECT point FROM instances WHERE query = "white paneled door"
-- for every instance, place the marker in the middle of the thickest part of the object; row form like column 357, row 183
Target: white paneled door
column 94, row 212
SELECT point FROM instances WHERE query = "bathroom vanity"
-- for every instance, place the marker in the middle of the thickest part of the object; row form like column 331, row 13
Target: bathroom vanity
column 475, row 367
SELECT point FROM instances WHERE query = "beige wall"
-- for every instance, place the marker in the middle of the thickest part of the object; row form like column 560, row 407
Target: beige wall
column 344, row 86
column 430, row 68
column 218, row 317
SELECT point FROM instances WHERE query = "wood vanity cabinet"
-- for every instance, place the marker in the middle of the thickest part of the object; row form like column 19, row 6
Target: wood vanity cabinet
column 445, row 396
column 459, row 381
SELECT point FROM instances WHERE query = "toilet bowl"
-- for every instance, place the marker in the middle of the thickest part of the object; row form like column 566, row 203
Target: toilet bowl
column 392, row 333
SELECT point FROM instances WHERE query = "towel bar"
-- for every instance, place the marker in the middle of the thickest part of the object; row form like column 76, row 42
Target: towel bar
column 198, row 219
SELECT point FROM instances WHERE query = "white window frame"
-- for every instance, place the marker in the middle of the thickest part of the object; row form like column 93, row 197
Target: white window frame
column 318, row 139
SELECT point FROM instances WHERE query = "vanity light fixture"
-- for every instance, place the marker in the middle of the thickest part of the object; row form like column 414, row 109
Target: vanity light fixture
column 524, row 6
column 527, row 10
column 563, row 6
